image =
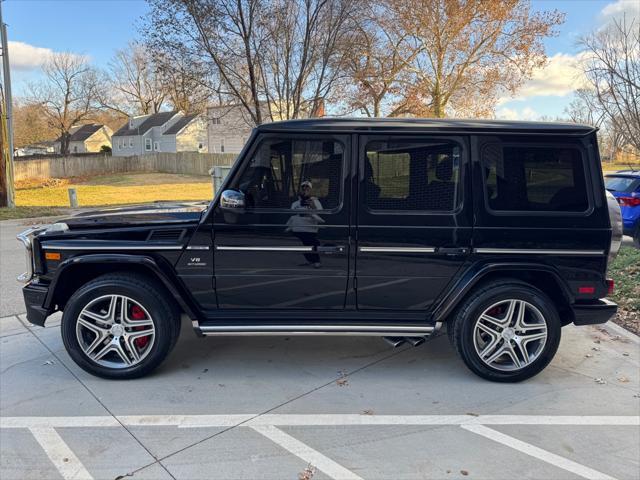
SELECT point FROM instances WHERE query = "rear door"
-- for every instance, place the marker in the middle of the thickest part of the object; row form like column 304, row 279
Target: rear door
column 413, row 219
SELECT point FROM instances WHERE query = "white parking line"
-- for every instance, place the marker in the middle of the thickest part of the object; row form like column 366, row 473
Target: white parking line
column 43, row 428
column 251, row 420
column 539, row 453
column 306, row 453
column 69, row 466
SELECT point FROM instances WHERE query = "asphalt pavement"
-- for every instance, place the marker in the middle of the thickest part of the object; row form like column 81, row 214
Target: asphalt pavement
column 311, row 408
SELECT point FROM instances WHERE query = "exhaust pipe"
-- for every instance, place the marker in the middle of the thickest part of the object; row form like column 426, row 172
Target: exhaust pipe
column 415, row 341
column 395, row 342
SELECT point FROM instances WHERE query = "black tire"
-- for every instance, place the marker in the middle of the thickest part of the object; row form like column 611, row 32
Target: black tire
column 144, row 291
column 461, row 328
column 636, row 237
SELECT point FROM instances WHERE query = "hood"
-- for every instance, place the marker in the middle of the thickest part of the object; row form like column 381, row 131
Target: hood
column 143, row 214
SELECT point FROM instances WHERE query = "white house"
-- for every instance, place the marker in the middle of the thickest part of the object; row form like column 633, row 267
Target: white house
column 229, row 128
column 161, row 132
column 87, row 138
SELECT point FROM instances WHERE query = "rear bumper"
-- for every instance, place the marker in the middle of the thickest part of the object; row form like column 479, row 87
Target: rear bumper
column 34, row 297
column 599, row 311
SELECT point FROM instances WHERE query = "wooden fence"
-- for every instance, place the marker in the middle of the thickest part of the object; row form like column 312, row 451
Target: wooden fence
column 190, row 163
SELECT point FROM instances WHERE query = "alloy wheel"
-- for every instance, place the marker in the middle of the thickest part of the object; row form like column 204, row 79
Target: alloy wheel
column 510, row 335
column 115, row 331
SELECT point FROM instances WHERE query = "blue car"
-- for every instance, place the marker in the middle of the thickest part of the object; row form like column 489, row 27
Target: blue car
column 625, row 186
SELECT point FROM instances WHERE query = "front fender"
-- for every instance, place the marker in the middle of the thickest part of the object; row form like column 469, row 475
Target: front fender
column 169, row 280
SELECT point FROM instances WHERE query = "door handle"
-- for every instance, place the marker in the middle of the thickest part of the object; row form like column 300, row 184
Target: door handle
column 453, row 250
column 331, row 249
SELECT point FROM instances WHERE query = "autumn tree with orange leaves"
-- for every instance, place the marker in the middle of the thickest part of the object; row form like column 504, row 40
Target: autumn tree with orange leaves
column 437, row 58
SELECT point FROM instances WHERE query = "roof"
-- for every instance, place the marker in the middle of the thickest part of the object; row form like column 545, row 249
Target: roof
column 154, row 120
column 180, row 124
column 83, row 132
column 421, row 124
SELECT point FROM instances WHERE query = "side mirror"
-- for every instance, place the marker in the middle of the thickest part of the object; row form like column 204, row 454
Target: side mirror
column 232, row 199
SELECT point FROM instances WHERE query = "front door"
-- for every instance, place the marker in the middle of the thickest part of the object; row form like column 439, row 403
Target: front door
column 288, row 247
column 414, row 219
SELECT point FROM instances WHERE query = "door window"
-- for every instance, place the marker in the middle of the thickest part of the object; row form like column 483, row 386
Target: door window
column 280, row 169
column 534, row 178
column 412, row 175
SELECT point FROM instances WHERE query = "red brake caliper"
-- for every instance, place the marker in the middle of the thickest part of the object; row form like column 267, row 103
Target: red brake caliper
column 138, row 314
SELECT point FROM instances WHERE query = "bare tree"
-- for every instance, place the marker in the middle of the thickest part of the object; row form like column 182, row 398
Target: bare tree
column 30, row 124
column 67, row 93
column 277, row 59
column 612, row 68
column 470, row 51
column 132, row 85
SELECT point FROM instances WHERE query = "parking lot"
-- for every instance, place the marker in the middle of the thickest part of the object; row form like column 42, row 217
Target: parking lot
column 305, row 407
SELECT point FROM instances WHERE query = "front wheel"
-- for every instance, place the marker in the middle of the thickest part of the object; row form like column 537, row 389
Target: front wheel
column 506, row 331
column 119, row 326
column 636, row 237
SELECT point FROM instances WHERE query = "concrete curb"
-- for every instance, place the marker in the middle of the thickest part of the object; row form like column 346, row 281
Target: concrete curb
column 623, row 332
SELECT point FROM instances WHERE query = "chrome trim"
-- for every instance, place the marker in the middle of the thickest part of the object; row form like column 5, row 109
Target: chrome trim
column 539, row 251
column 368, row 330
column 25, row 238
column 107, row 247
column 198, row 247
column 397, row 249
column 264, row 249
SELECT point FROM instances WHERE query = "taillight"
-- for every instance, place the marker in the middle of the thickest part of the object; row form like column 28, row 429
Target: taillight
column 629, row 201
column 611, row 285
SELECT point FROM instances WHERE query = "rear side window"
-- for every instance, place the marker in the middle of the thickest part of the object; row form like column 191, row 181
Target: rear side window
column 412, row 175
column 531, row 178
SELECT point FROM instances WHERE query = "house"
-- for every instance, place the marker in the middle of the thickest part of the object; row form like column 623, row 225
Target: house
column 161, row 132
column 231, row 125
column 229, row 128
column 40, row 148
column 87, row 138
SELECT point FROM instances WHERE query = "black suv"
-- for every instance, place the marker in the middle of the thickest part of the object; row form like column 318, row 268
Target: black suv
column 391, row 227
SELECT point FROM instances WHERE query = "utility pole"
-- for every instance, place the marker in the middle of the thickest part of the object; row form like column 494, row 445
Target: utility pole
column 7, row 199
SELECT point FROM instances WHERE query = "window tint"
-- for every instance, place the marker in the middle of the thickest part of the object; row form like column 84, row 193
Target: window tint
column 537, row 179
column 277, row 170
column 409, row 175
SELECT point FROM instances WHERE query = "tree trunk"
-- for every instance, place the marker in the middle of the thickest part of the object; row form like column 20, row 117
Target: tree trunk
column 64, row 143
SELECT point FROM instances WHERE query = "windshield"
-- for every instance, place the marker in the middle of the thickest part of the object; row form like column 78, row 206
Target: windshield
column 622, row 184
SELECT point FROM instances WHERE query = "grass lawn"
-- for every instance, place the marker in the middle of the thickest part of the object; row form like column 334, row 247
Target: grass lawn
column 625, row 271
column 29, row 212
column 115, row 190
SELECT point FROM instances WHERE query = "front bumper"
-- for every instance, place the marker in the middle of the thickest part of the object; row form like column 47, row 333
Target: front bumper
column 592, row 313
column 34, row 297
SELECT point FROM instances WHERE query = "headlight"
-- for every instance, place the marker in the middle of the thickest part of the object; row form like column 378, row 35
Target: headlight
column 26, row 238
column 57, row 227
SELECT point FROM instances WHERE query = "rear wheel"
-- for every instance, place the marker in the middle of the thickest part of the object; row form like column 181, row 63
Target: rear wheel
column 506, row 331
column 636, row 237
column 119, row 326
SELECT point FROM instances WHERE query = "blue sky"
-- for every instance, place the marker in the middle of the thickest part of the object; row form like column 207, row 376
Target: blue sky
column 97, row 28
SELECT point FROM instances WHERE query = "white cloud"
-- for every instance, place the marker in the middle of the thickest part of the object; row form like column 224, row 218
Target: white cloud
column 630, row 8
column 527, row 113
column 560, row 77
column 27, row 57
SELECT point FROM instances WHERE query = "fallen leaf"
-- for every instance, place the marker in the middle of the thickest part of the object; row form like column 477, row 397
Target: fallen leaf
column 473, row 414
column 65, row 459
column 307, row 473
column 49, row 362
column 368, row 412
column 464, row 472
column 623, row 379
column 625, row 354
column 588, row 355
column 342, row 382
column 600, row 381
